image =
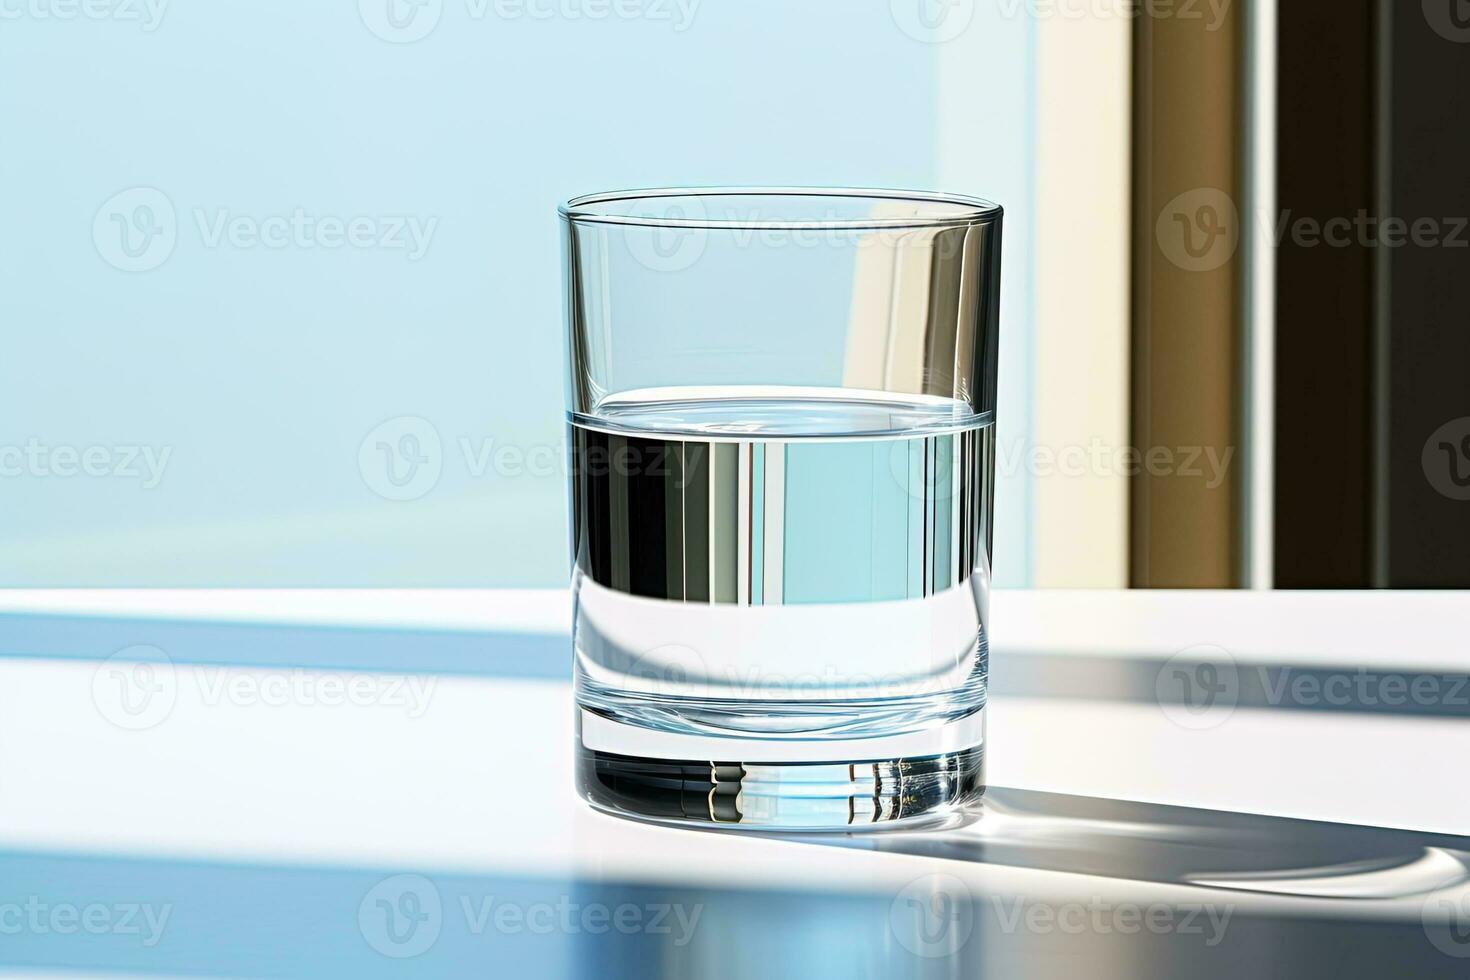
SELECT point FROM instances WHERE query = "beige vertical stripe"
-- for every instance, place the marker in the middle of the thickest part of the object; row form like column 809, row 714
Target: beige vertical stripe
column 1082, row 298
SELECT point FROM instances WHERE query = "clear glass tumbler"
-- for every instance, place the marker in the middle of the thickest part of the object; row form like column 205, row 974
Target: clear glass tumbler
column 781, row 407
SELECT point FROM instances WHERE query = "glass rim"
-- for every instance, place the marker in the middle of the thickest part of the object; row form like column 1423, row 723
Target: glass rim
column 951, row 209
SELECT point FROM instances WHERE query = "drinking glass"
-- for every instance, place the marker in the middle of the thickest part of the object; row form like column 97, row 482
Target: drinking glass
column 781, row 407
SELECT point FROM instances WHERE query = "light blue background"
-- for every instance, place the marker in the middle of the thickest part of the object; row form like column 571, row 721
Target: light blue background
column 262, row 369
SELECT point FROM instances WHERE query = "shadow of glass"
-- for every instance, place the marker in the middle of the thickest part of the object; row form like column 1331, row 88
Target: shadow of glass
column 1170, row 844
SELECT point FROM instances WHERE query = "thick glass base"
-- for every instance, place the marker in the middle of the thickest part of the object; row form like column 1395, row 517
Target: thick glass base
column 858, row 791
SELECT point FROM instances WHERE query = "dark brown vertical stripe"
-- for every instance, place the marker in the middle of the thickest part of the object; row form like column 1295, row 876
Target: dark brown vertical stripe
column 1373, row 334
column 1186, row 332
column 1426, row 325
column 1325, row 297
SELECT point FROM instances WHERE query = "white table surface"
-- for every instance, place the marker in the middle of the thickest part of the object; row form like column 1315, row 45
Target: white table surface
column 459, row 773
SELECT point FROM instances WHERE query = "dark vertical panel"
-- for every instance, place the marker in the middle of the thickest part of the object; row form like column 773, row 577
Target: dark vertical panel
column 648, row 522
column 694, row 463
column 1427, row 307
column 619, row 520
column 1324, row 297
column 667, row 460
column 592, row 504
column 1373, row 337
column 987, row 339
